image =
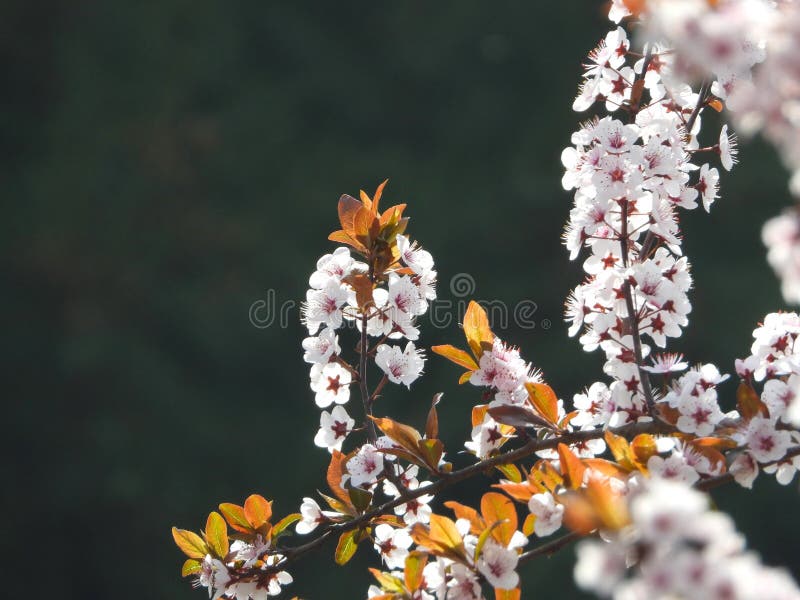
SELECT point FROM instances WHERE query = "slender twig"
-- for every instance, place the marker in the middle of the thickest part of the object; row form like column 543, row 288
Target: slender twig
column 632, row 319
column 551, row 547
column 447, row 480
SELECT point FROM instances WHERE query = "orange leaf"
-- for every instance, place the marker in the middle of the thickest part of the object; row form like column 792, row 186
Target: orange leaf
column 234, row 515
column 376, row 198
column 518, row 491
column 622, row 451
column 609, row 504
column 499, row 508
column 334, row 476
column 363, row 286
column 748, row 402
column 544, row 399
column 444, row 532
column 405, row 435
column 476, row 328
column 431, row 451
column 456, row 355
column 514, row 594
column 464, row 377
column 716, row 104
column 528, row 524
column 348, row 209
column 432, row 422
column 478, row 413
column 571, row 467
column 257, row 510
column 191, row 544
column 462, row 511
column 343, row 237
column 643, row 447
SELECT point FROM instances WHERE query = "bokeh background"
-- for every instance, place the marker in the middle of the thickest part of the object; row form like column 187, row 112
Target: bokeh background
column 165, row 164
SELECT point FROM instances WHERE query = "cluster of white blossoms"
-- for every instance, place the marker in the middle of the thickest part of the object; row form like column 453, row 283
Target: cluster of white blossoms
column 332, row 301
column 446, row 579
column 630, row 178
column 219, row 577
column 681, row 549
column 750, row 47
column 767, row 437
column 504, row 372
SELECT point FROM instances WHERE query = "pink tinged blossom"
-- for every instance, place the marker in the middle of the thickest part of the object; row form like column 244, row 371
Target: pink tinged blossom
column 486, row 437
column 418, row 260
column 333, row 267
column 331, row 383
column 365, row 466
column 213, row 575
column 699, row 414
column 324, row 306
column 765, row 442
column 497, row 564
column 728, row 151
column 463, row 584
column 744, row 470
column 404, row 296
column 708, row 186
column 501, row 368
column 618, row 11
column 548, row 513
column 320, row 348
column 400, row 366
column 673, row 467
column 312, row 516
column 334, row 427
column 666, row 363
column 392, row 544
column 599, row 567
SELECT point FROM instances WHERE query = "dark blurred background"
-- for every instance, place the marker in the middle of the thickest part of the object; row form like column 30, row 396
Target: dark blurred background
column 165, row 164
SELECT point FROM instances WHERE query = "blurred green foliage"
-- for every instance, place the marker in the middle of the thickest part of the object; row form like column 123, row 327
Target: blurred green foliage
column 166, row 163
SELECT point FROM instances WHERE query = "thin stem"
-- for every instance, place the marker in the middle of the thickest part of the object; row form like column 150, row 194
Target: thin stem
column 633, row 321
column 551, row 547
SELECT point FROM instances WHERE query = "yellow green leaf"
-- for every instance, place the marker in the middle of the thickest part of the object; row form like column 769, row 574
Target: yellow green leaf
column 190, row 567
column 346, row 547
column 217, row 535
column 280, row 526
column 191, row 544
column 412, row 573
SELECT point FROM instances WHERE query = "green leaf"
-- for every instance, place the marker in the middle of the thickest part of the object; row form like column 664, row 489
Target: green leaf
column 191, row 544
column 346, row 548
column 361, row 499
column 280, row 527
